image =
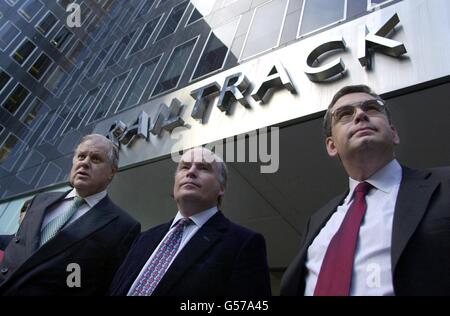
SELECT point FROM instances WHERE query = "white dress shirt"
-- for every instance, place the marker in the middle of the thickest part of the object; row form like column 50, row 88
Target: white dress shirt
column 372, row 266
column 60, row 208
column 198, row 220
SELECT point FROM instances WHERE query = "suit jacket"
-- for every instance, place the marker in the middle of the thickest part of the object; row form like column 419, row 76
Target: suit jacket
column 5, row 240
column 420, row 248
column 98, row 242
column 221, row 259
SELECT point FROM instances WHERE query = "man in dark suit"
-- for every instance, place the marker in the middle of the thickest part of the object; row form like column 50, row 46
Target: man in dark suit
column 389, row 234
column 71, row 243
column 200, row 252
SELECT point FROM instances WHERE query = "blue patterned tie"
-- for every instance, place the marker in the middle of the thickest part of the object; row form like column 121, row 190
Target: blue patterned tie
column 55, row 225
column 160, row 261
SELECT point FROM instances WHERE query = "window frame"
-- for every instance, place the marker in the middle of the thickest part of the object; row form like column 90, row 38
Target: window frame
column 22, row 13
column 241, row 59
column 42, row 19
column 191, row 79
column 29, row 55
column 15, row 37
column 322, row 27
column 165, row 21
column 152, row 95
column 133, row 81
column 373, row 7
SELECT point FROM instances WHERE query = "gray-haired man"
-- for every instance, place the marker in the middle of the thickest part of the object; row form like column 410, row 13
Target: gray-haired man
column 71, row 243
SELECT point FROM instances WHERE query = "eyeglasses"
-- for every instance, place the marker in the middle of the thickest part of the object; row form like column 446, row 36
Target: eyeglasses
column 346, row 113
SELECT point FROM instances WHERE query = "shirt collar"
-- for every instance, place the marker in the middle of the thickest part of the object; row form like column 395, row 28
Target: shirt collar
column 198, row 219
column 90, row 200
column 384, row 179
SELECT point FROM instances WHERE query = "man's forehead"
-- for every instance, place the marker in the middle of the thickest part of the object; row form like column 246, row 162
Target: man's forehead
column 353, row 98
column 198, row 156
column 93, row 146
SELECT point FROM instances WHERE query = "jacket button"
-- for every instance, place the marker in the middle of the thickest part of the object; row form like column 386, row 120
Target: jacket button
column 4, row 270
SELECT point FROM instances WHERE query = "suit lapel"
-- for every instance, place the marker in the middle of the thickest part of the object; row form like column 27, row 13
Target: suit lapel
column 96, row 218
column 296, row 275
column 203, row 240
column 39, row 210
column 413, row 198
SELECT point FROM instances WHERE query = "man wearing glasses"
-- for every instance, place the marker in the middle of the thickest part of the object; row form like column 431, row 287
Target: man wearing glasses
column 389, row 234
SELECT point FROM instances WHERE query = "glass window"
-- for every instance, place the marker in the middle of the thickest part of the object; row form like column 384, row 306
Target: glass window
column 8, row 33
column 77, row 53
column 4, row 79
column 11, row 2
column 95, row 65
column 8, row 147
column 57, row 80
column 46, row 24
column 23, row 51
column 164, row 1
column 147, row 4
column 85, row 12
column 174, row 67
column 61, row 38
column 1, row 129
column 375, row 3
column 30, row 8
column 201, row 9
column 320, row 13
column 268, row 17
column 35, row 113
column 145, row 35
column 173, row 20
column 121, row 47
column 216, row 49
column 64, row 3
column 108, row 98
column 95, row 28
column 140, row 82
column 16, row 98
column 83, row 109
column 126, row 18
column 53, row 128
column 40, row 66
column 70, row 108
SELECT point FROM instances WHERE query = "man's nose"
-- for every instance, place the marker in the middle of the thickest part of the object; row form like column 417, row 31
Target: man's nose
column 360, row 115
column 192, row 172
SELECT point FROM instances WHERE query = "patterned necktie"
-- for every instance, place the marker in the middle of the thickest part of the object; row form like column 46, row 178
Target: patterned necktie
column 160, row 261
column 55, row 225
column 335, row 275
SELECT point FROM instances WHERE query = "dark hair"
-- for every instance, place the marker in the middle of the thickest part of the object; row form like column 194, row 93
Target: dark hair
column 344, row 91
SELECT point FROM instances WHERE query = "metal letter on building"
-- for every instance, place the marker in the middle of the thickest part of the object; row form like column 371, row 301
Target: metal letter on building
column 168, row 118
column 277, row 77
column 377, row 40
column 331, row 69
column 232, row 91
column 200, row 94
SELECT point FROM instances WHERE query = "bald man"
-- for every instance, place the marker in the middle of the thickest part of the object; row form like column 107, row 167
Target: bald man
column 200, row 252
column 71, row 243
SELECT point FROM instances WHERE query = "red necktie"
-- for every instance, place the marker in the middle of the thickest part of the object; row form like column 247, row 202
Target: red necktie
column 335, row 277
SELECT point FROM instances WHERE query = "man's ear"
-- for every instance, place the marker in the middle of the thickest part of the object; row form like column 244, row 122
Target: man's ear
column 331, row 146
column 395, row 137
column 113, row 172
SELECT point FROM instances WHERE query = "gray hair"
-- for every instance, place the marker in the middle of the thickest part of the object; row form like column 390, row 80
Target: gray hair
column 113, row 152
column 344, row 91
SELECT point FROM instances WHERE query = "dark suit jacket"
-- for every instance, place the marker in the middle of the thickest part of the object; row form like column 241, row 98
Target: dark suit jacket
column 98, row 242
column 5, row 240
column 221, row 259
column 420, row 249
